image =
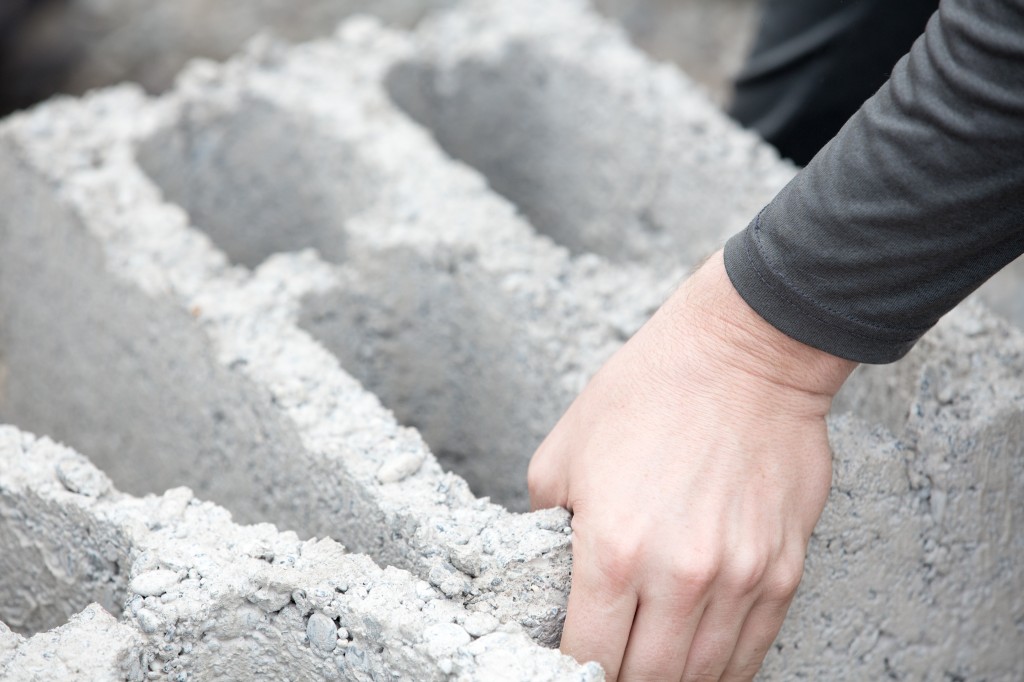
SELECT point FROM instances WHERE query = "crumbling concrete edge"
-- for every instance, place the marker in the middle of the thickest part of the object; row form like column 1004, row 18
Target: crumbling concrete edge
column 209, row 599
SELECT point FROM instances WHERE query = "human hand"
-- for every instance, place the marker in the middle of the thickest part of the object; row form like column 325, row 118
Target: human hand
column 696, row 464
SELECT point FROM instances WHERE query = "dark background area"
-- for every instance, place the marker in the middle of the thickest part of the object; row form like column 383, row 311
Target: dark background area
column 70, row 46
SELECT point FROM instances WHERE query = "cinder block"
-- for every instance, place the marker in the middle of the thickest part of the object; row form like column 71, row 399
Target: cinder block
column 914, row 571
column 150, row 342
column 201, row 280
column 206, row 599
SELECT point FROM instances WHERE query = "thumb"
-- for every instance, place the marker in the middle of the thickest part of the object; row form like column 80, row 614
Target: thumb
column 547, row 477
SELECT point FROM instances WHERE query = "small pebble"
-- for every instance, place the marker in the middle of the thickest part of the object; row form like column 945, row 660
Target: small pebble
column 322, row 633
column 149, row 622
column 400, row 467
column 480, row 624
column 424, row 591
column 82, row 478
column 454, row 585
column 467, row 560
column 445, row 638
column 153, row 583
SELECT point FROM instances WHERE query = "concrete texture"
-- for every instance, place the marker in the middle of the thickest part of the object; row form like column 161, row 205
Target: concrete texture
column 278, row 416
column 526, row 94
column 92, row 646
column 220, row 287
column 205, row 599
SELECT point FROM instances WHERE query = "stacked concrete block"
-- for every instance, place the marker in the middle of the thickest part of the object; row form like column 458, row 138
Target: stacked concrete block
column 205, row 599
column 222, row 282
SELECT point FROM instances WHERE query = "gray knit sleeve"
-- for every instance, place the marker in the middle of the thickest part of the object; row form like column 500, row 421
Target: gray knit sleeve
column 913, row 205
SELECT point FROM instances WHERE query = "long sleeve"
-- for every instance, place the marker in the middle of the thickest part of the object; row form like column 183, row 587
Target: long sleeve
column 913, row 205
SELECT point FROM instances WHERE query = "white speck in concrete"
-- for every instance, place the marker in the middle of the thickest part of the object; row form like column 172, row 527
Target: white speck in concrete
column 149, row 622
column 480, row 624
column 153, row 583
column 400, row 467
column 82, row 478
column 444, row 638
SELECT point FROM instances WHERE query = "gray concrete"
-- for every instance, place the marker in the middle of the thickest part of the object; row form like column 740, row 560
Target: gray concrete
column 91, row 647
column 206, row 599
column 219, row 288
column 924, row 523
column 602, row 149
column 277, row 414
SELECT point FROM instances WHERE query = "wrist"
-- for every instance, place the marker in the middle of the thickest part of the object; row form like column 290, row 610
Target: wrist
column 740, row 338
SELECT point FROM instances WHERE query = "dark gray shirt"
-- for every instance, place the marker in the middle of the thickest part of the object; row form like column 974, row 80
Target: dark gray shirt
column 913, row 205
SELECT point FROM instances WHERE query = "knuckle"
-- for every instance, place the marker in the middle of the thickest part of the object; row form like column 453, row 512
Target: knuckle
column 696, row 573
column 617, row 563
column 746, row 571
column 785, row 578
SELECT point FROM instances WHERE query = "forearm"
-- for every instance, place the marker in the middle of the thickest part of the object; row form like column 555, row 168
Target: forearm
column 916, row 202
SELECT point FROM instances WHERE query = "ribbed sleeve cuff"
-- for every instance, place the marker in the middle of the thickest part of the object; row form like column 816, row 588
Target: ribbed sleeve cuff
column 765, row 289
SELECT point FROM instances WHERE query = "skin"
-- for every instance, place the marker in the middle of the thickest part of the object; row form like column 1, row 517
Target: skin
column 696, row 464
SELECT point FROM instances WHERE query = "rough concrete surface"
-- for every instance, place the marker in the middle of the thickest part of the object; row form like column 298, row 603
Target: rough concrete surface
column 274, row 285
column 206, row 599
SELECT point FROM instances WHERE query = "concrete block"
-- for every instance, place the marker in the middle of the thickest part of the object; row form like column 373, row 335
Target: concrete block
column 920, row 525
column 227, row 282
column 151, row 341
column 206, row 599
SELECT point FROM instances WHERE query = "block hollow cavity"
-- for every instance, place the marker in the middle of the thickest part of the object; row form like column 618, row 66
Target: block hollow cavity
column 443, row 346
column 55, row 558
column 602, row 150
column 97, row 361
column 260, row 181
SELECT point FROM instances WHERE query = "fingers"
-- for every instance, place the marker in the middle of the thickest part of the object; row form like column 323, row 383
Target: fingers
column 716, row 638
column 763, row 624
column 660, row 638
column 602, row 604
column 711, row 622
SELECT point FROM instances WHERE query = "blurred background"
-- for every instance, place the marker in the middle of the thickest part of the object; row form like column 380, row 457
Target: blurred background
column 70, row 46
